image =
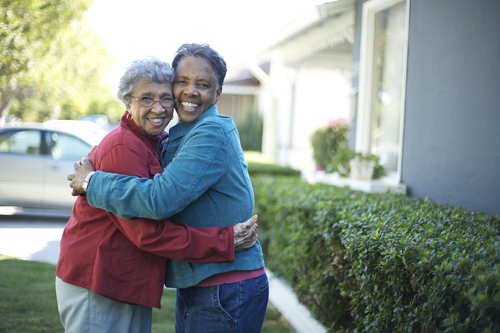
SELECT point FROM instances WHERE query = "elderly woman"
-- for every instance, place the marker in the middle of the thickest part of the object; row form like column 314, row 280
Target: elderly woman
column 205, row 182
column 111, row 271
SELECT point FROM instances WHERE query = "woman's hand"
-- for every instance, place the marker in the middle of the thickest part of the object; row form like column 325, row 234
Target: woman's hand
column 245, row 234
column 82, row 169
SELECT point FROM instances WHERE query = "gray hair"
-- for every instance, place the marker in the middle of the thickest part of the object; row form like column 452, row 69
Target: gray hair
column 143, row 70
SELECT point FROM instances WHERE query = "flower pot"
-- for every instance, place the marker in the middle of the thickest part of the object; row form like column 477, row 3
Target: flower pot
column 361, row 169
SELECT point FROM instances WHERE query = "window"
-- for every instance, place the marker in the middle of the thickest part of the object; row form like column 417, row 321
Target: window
column 382, row 77
column 20, row 142
column 66, row 147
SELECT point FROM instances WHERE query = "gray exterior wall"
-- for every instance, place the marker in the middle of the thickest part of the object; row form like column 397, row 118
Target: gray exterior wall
column 451, row 145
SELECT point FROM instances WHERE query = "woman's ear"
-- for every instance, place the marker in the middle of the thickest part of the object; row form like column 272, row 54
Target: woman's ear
column 219, row 92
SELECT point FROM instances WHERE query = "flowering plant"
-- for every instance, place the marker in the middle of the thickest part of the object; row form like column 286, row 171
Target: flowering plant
column 327, row 140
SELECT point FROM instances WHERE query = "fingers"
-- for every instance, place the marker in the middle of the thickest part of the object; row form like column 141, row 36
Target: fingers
column 92, row 150
column 81, row 170
column 80, row 163
column 245, row 234
column 251, row 222
column 253, row 238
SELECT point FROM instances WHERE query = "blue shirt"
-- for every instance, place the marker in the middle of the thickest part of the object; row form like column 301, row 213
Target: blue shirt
column 205, row 183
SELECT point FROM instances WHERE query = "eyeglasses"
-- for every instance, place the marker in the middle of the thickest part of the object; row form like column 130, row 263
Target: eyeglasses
column 147, row 102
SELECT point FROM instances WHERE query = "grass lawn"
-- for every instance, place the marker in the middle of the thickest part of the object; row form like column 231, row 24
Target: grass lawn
column 28, row 301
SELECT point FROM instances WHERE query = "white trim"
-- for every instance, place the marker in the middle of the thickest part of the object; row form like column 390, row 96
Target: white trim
column 385, row 184
column 403, row 93
column 363, row 122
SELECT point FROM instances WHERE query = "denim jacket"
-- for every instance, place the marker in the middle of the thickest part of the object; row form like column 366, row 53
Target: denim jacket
column 205, row 183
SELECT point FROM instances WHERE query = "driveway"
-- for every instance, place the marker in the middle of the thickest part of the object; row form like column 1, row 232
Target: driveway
column 32, row 235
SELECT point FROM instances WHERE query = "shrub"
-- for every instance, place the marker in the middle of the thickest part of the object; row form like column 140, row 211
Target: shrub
column 381, row 262
column 250, row 129
column 332, row 154
column 326, row 141
column 260, row 164
column 256, row 168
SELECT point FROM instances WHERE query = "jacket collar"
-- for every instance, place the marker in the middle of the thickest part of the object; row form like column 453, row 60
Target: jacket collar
column 129, row 124
column 182, row 128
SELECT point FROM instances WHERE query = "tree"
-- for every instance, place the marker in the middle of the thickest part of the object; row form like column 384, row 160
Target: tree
column 52, row 63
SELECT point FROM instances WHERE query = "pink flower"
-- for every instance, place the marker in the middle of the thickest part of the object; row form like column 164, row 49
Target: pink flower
column 339, row 121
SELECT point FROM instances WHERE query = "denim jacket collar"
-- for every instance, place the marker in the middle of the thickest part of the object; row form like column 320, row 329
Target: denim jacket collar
column 180, row 129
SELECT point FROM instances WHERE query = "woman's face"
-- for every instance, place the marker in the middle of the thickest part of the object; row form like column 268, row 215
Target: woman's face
column 151, row 120
column 195, row 88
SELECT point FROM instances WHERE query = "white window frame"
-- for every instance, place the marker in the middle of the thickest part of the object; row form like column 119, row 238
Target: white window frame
column 363, row 122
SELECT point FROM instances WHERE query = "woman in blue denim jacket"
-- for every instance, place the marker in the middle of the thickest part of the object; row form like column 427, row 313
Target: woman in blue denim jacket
column 205, row 181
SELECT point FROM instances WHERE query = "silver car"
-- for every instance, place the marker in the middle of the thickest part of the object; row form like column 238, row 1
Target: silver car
column 36, row 158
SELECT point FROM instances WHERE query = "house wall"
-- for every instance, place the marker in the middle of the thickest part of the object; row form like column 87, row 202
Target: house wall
column 451, row 143
column 237, row 106
column 451, row 150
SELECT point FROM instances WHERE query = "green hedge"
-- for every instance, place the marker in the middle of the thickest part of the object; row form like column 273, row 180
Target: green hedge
column 258, row 168
column 381, row 263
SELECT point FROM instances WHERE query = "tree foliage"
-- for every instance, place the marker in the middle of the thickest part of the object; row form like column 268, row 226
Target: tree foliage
column 52, row 63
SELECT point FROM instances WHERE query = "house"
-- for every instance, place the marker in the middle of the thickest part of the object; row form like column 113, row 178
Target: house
column 419, row 80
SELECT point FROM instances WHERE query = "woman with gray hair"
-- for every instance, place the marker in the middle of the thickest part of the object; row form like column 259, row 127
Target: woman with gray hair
column 111, row 271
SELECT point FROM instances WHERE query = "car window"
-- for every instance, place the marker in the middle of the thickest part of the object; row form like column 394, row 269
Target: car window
column 20, row 142
column 64, row 146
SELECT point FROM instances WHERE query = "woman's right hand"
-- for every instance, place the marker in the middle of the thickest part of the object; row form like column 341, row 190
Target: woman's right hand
column 245, row 234
column 82, row 169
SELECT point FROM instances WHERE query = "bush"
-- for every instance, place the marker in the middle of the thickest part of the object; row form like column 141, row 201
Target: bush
column 256, row 168
column 327, row 140
column 381, row 262
column 250, row 129
column 260, row 164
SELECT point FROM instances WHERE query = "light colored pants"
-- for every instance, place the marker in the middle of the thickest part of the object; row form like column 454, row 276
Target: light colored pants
column 84, row 311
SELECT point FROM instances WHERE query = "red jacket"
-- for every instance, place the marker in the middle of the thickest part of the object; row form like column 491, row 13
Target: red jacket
column 126, row 260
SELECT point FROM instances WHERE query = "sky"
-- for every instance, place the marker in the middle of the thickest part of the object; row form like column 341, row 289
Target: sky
column 235, row 28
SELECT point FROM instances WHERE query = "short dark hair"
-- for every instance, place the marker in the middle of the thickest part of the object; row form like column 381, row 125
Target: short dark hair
column 204, row 51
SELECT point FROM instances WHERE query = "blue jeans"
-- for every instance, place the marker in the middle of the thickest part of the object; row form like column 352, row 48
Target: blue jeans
column 236, row 307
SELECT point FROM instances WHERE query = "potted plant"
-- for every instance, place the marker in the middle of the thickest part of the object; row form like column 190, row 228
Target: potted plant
column 349, row 163
column 362, row 166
